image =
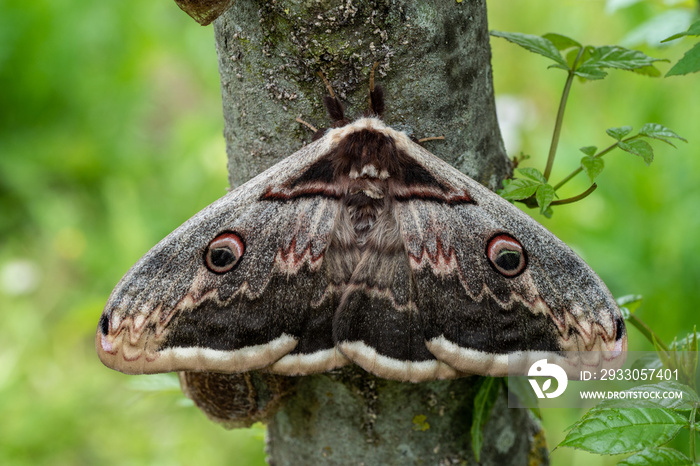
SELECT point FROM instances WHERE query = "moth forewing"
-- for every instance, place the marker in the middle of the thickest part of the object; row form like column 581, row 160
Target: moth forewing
column 362, row 247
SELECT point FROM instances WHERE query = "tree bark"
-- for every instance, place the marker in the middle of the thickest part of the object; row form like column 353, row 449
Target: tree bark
column 434, row 64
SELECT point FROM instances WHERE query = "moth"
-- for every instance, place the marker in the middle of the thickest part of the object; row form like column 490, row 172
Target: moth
column 364, row 248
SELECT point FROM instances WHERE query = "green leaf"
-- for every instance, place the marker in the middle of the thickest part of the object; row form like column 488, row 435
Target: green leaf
column 685, row 403
column 483, row 403
column 683, row 342
column 519, row 189
column 625, row 430
column 618, row 133
column 690, row 63
column 572, row 55
column 544, row 196
column 613, row 56
column 522, row 390
column 589, row 150
column 625, row 313
column 693, row 30
column 638, row 147
column 561, row 42
column 650, row 71
column 533, row 174
column 656, row 131
column 664, row 356
column 590, row 72
column 658, row 456
column 648, row 361
column 535, row 44
column 630, row 301
column 593, row 166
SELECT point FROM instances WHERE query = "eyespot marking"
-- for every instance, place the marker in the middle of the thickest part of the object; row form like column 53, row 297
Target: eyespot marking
column 506, row 255
column 224, row 252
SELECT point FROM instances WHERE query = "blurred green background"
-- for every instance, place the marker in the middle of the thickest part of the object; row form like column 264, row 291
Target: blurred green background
column 110, row 137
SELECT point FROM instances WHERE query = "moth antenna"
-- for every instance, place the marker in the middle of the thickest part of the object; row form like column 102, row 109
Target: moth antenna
column 433, row 138
column 371, row 77
column 376, row 95
column 318, row 133
column 334, row 106
column 308, row 125
column 328, row 85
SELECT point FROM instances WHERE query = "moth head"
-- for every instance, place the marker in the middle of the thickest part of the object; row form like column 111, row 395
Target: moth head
column 224, row 252
column 506, row 255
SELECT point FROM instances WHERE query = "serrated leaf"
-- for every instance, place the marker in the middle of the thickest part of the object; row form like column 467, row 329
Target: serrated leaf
column 590, row 72
column 657, row 131
column 648, row 361
column 638, row 147
column 693, row 30
column 557, row 65
column 589, row 150
column 658, row 456
column 545, row 196
column 690, row 63
column 624, row 430
column 657, row 27
column 483, row 403
column 505, row 184
column 683, row 342
column 535, row 44
column 630, row 301
column 561, row 42
column 593, row 166
column 650, row 71
column 519, row 189
column 614, row 56
column 533, row 174
column 638, row 394
column 618, row 133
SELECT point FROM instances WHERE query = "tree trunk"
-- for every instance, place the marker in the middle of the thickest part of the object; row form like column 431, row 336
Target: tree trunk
column 434, row 65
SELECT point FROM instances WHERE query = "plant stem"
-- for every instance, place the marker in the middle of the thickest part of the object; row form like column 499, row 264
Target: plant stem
column 598, row 155
column 569, row 200
column 560, row 116
column 646, row 331
column 580, row 169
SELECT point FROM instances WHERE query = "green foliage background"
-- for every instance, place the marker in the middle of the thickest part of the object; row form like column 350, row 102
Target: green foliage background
column 110, row 137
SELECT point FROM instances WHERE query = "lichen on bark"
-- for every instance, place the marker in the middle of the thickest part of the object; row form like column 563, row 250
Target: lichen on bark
column 434, row 63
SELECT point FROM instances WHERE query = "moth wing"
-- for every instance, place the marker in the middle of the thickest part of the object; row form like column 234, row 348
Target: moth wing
column 378, row 325
column 474, row 318
column 170, row 312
